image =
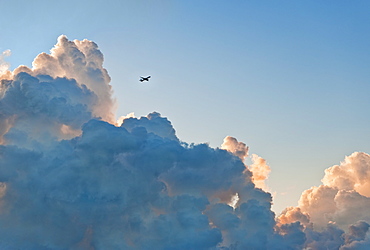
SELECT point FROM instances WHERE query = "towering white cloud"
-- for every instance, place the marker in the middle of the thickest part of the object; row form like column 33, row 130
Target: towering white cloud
column 83, row 62
column 70, row 179
column 63, row 90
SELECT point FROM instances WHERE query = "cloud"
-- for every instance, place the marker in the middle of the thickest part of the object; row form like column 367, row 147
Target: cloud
column 70, row 178
column 294, row 214
column 41, row 107
column 4, row 66
column 114, row 188
column 357, row 232
column 352, row 174
column 83, row 62
column 336, row 214
column 260, row 171
column 259, row 168
column 153, row 123
column 123, row 117
column 339, row 198
column 232, row 145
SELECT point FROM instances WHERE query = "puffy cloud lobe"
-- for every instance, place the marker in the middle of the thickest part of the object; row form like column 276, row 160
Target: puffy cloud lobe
column 352, row 174
column 38, row 108
column 293, row 237
column 259, row 168
column 333, row 207
column 153, row 123
column 357, row 232
column 260, row 171
column 4, row 66
column 294, row 214
column 82, row 61
column 122, row 118
column 331, row 237
column 319, row 203
column 252, row 226
column 63, row 90
column 338, row 200
column 232, row 145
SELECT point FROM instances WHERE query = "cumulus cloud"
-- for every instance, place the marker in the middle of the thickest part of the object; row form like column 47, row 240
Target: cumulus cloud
column 83, row 62
column 336, row 213
column 123, row 117
column 330, row 236
column 260, row 171
column 342, row 197
column 153, row 123
column 294, row 214
column 259, row 168
column 4, row 66
column 70, row 178
column 352, row 174
column 115, row 188
column 37, row 108
column 232, row 145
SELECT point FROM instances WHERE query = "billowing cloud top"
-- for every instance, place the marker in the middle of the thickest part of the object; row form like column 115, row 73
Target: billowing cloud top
column 70, row 179
column 4, row 66
column 78, row 60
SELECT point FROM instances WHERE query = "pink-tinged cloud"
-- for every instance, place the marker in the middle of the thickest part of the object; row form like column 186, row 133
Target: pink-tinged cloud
column 259, row 168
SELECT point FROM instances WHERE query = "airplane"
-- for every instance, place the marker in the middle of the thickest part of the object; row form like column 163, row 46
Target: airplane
column 144, row 78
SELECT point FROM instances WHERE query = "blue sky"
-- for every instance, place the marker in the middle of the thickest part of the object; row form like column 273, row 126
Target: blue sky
column 288, row 78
